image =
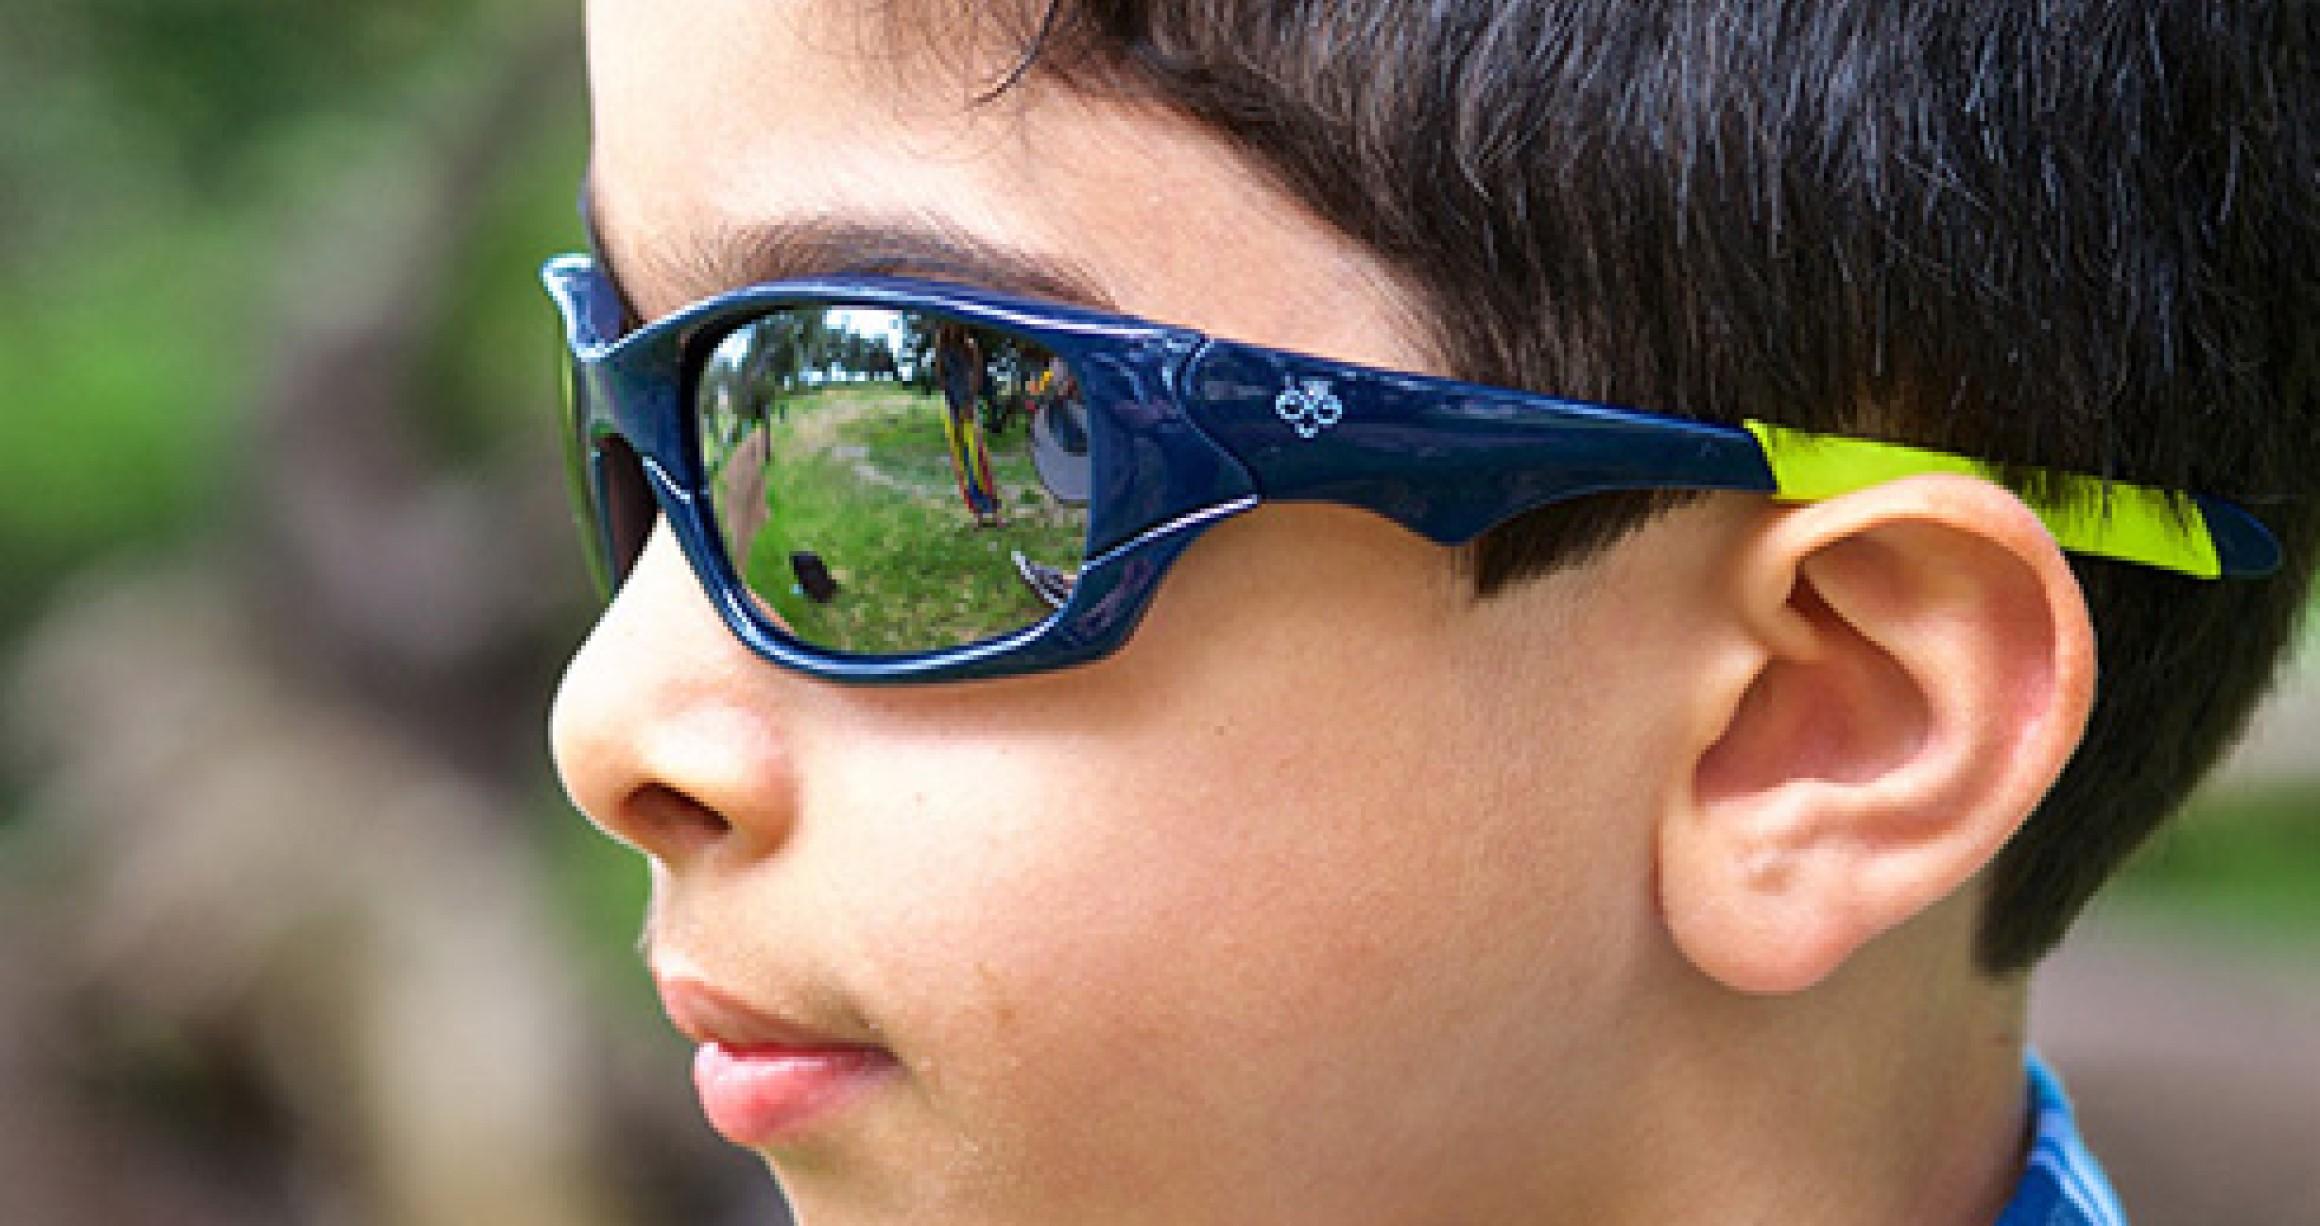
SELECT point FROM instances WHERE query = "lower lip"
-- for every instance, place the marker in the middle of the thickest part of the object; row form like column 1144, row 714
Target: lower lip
column 759, row 1096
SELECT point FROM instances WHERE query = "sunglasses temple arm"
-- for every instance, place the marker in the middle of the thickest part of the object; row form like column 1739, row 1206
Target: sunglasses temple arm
column 1447, row 460
column 2206, row 538
column 2246, row 549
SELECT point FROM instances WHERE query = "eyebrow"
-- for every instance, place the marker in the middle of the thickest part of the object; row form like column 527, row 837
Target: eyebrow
column 727, row 257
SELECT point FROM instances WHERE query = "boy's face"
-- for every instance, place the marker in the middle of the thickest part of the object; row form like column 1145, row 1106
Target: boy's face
column 1328, row 898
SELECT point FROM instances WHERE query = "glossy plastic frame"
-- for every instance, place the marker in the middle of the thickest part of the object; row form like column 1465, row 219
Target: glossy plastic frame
column 1186, row 430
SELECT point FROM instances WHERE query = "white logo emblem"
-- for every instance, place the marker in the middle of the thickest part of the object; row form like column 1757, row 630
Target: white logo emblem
column 1310, row 407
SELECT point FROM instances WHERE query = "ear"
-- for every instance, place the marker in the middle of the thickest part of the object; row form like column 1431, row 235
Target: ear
column 1908, row 668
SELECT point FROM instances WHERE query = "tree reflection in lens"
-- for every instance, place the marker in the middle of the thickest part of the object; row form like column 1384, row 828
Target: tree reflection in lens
column 841, row 445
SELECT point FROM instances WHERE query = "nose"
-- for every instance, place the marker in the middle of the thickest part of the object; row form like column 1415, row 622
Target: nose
column 667, row 731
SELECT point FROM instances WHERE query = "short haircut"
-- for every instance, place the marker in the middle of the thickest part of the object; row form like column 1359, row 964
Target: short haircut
column 2081, row 234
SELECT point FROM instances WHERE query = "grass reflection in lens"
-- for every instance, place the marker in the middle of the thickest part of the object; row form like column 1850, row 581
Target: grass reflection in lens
column 873, row 474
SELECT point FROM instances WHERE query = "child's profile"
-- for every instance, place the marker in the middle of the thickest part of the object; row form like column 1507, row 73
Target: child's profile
column 1376, row 612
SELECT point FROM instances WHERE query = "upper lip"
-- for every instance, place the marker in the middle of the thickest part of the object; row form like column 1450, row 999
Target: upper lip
column 705, row 1013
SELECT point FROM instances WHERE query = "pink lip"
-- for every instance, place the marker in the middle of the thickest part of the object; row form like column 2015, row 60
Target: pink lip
column 763, row 1079
column 760, row 1096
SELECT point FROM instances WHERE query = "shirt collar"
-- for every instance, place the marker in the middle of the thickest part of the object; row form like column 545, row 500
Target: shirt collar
column 2062, row 1184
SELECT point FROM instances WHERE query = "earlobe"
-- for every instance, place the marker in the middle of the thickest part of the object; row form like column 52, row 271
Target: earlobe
column 1912, row 667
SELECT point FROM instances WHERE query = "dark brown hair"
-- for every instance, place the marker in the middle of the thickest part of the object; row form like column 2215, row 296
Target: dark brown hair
column 2083, row 234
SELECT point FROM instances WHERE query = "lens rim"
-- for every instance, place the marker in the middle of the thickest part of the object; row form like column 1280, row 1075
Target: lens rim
column 1159, row 482
column 701, row 396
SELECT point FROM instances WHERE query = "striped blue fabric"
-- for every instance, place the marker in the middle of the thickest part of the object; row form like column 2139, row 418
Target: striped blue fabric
column 2062, row 1185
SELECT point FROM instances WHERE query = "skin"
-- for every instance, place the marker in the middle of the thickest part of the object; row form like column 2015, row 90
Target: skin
column 1338, row 895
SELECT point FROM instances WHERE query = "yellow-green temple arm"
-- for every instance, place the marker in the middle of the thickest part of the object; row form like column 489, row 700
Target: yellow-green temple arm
column 2110, row 519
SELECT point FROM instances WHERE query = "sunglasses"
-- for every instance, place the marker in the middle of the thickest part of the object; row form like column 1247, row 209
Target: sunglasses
column 888, row 480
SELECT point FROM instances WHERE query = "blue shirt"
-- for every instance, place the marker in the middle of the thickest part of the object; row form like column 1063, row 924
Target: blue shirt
column 2062, row 1185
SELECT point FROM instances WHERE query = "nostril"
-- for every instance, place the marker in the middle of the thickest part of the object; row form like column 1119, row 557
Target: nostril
column 669, row 824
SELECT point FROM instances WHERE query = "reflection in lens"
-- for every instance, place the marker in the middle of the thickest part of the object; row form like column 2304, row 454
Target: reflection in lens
column 1059, row 434
column 895, row 481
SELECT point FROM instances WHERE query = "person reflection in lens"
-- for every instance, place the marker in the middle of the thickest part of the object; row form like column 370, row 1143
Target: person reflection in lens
column 741, row 502
column 959, row 366
column 1059, row 454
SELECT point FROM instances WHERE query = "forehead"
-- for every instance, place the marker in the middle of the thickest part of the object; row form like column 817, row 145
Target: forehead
column 725, row 109
column 718, row 122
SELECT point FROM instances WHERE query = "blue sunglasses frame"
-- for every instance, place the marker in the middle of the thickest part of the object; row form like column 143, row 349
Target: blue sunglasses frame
column 1187, row 430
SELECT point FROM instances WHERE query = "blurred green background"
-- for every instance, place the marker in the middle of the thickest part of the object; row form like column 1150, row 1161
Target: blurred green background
column 294, row 925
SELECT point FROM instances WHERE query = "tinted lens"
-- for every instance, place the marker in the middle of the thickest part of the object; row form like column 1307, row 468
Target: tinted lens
column 625, row 507
column 892, row 482
column 610, row 499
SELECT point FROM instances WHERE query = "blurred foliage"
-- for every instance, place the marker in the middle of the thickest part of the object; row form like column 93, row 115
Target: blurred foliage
column 156, row 161
column 118, row 368
column 2245, row 862
column 189, row 194
column 491, row 371
column 185, row 98
column 215, row 72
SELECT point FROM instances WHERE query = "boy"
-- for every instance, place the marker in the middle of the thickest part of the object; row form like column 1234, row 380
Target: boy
column 1659, row 855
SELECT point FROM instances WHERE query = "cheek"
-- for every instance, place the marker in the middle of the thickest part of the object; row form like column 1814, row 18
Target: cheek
column 1212, row 913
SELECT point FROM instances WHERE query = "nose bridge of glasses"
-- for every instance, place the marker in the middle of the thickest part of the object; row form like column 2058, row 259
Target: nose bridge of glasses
column 1445, row 459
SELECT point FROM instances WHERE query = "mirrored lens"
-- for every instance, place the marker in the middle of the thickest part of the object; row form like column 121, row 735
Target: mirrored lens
column 892, row 482
column 580, row 480
column 610, row 499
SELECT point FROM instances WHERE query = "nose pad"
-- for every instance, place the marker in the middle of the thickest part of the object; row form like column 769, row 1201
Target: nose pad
column 667, row 732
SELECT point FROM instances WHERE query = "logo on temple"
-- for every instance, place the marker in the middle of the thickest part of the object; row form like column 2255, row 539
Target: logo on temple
column 1309, row 406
